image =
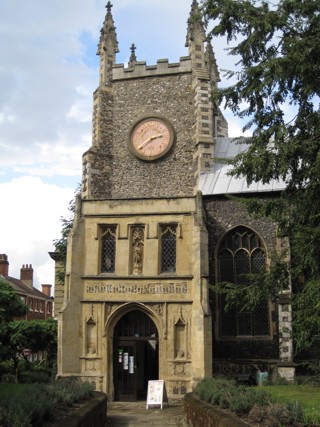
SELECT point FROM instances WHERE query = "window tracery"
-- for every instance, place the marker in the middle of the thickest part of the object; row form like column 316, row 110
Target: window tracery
column 242, row 252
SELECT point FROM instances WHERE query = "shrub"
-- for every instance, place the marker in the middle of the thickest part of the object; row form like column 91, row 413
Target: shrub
column 254, row 402
column 311, row 417
column 277, row 415
column 215, row 391
column 34, row 376
column 242, row 402
column 30, row 405
column 8, row 378
column 308, row 379
column 70, row 390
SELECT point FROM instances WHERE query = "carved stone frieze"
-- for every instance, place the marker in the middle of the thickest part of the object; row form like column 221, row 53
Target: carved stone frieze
column 154, row 288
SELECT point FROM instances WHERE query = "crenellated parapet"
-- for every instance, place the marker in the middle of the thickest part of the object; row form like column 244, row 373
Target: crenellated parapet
column 140, row 69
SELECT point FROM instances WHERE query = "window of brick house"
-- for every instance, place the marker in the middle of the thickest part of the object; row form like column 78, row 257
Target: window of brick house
column 242, row 252
column 168, row 238
column 108, row 249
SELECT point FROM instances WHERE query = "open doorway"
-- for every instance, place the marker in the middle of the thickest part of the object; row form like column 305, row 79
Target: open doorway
column 136, row 356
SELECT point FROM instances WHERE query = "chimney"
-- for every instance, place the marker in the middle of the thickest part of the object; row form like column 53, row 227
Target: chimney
column 26, row 275
column 46, row 289
column 4, row 265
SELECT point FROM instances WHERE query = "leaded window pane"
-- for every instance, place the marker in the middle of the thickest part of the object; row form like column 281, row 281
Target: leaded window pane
column 108, row 253
column 226, row 266
column 228, row 320
column 244, row 323
column 242, row 253
column 261, row 315
column 242, row 266
column 168, row 249
column 258, row 261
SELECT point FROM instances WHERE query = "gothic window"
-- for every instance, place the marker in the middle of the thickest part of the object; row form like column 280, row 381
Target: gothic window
column 168, row 236
column 108, row 249
column 242, row 252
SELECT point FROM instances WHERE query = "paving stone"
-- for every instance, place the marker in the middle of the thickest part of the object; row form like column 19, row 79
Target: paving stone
column 135, row 414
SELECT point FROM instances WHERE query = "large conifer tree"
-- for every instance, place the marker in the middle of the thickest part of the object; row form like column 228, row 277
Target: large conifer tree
column 278, row 70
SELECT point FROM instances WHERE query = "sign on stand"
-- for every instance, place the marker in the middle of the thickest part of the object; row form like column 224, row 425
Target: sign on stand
column 156, row 393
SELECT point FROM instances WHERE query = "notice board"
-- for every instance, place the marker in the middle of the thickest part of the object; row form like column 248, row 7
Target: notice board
column 157, row 394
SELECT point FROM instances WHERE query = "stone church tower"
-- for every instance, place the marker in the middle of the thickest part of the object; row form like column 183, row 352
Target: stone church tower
column 135, row 303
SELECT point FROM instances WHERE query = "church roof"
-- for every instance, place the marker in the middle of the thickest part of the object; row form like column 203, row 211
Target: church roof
column 219, row 182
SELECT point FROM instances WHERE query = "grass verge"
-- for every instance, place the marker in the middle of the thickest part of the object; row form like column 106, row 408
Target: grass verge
column 307, row 395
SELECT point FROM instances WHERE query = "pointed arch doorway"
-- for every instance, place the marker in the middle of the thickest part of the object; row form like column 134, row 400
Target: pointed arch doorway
column 136, row 356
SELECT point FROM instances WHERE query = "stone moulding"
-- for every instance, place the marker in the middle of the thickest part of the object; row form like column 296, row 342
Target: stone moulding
column 199, row 414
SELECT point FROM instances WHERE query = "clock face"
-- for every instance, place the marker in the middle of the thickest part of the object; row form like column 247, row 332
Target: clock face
column 151, row 138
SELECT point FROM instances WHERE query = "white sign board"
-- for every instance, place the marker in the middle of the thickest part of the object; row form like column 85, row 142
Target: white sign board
column 156, row 393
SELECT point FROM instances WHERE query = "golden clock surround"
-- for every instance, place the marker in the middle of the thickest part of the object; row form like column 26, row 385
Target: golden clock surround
column 151, row 137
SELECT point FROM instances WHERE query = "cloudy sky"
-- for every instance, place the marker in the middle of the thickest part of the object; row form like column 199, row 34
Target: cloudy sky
column 48, row 72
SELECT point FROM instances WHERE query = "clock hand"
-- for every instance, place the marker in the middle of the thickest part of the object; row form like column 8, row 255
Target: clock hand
column 151, row 138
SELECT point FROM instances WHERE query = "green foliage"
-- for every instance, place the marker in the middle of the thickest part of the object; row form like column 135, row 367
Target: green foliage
column 227, row 394
column 29, row 405
column 307, row 315
column 10, row 304
column 259, row 286
column 242, row 402
column 36, row 335
column 277, row 415
column 32, row 376
column 258, row 404
column 298, row 397
column 214, row 391
column 70, row 390
column 276, row 89
column 61, row 243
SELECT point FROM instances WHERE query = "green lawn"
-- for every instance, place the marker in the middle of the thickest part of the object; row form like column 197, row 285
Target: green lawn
column 308, row 396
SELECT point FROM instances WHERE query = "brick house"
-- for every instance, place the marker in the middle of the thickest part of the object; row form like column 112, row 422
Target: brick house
column 40, row 303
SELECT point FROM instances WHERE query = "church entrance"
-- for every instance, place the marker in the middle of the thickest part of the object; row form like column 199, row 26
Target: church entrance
column 136, row 356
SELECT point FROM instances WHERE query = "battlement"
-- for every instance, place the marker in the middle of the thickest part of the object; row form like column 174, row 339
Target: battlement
column 141, row 69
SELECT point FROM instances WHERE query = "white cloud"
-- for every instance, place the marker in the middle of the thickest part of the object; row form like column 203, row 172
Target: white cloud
column 30, row 221
column 48, row 73
column 78, row 112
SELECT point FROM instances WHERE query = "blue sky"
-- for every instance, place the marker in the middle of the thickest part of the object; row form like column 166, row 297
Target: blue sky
column 48, row 72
